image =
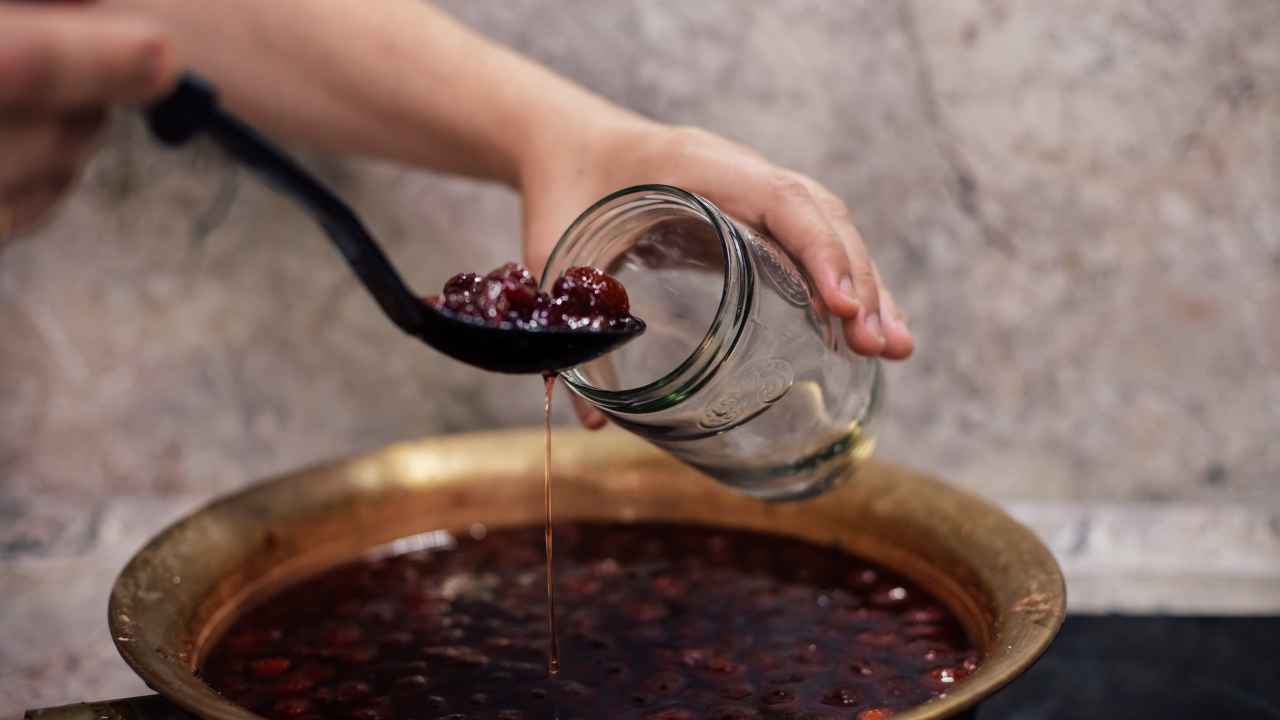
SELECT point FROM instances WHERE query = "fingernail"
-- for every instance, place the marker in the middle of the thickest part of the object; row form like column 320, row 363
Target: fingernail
column 873, row 326
column 846, row 288
column 898, row 322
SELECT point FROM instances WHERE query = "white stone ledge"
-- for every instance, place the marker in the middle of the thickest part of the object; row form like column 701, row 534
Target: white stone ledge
column 1118, row 557
column 1173, row 558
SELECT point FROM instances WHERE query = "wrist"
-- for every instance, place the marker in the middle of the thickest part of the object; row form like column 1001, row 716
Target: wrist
column 578, row 146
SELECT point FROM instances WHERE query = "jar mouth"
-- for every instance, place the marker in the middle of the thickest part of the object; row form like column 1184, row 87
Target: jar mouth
column 726, row 327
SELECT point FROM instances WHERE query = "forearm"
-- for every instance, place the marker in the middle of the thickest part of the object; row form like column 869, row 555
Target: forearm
column 395, row 78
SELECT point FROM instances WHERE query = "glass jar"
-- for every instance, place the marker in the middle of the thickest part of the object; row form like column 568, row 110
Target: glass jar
column 742, row 372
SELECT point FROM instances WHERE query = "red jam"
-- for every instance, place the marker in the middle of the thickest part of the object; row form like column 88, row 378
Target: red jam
column 583, row 297
column 657, row 621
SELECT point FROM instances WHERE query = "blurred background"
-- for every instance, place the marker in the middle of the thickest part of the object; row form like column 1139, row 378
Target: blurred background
column 1077, row 203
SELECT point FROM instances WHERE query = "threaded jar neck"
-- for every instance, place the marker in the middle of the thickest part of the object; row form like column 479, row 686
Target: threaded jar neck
column 604, row 233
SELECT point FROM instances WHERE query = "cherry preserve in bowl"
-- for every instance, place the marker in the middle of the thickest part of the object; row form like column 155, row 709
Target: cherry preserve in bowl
column 182, row 595
column 657, row 621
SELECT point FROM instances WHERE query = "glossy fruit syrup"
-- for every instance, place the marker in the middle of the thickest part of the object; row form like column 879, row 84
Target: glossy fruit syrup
column 658, row 621
column 583, row 299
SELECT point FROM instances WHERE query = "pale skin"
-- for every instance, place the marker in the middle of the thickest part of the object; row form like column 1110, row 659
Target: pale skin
column 401, row 80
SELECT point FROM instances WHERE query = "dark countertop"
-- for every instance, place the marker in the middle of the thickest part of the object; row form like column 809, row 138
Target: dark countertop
column 1140, row 667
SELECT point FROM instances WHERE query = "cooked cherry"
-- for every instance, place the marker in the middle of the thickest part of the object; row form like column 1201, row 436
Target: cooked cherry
column 352, row 690
column 463, row 284
column 667, row 682
column 523, row 301
column 342, row 635
column 409, row 682
column 591, row 291
column 269, row 667
column 778, row 697
column 943, row 678
column 612, row 297
column 292, row 707
column 673, row 713
column 583, row 298
column 840, row 697
column 734, row 712
column 293, row 683
column 514, row 274
column 722, row 665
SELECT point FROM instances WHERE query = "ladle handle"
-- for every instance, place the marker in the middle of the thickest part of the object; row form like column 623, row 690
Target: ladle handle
column 192, row 108
column 146, row 707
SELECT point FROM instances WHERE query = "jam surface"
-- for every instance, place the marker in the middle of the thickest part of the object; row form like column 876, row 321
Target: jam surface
column 658, row 621
column 582, row 298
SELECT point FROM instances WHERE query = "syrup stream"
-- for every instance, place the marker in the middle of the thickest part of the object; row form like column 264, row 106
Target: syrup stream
column 553, row 652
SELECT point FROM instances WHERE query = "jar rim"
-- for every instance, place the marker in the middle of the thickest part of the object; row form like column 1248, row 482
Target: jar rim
column 735, row 297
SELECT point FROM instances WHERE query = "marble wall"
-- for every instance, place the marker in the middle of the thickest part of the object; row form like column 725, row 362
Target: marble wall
column 1078, row 203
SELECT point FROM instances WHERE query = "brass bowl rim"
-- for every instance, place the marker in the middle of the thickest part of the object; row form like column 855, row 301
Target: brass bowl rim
column 1036, row 623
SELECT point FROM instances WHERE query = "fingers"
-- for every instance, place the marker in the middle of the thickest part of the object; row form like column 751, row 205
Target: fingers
column 784, row 204
column 55, row 58
column 817, row 227
column 61, row 67
column 545, row 216
column 35, row 148
column 899, row 343
column 591, row 418
column 24, row 209
column 865, row 326
column 794, row 217
column 42, row 159
column 805, row 218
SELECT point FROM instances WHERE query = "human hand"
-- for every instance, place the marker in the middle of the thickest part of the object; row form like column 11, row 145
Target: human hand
column 807, row 219
column 61, row 68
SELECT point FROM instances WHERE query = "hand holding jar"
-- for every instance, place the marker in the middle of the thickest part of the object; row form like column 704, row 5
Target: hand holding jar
column 744, row 372
column 807, row 220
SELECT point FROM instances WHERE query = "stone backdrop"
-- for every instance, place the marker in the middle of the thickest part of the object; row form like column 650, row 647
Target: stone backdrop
column 1077, row 202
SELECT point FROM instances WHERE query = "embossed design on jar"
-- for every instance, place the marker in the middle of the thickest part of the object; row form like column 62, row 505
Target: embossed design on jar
column 775, row 377
column 779, row 268
column 724, row 410
column 755, row 387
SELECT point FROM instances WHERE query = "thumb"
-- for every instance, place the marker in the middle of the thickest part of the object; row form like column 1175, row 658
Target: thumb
column 63, row 58
column 590, row 417
column 549, row 207
column 539, row 233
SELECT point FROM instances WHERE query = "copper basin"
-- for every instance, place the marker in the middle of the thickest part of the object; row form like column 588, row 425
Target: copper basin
column 176, row 595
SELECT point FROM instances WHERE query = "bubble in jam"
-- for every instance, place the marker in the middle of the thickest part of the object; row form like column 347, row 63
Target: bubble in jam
column 581, row 298
column 658, row 621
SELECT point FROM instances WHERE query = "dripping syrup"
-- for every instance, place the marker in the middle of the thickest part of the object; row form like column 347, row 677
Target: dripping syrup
column 583, row 298
column 553, row 649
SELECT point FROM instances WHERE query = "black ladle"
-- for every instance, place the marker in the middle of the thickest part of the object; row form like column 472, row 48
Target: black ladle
column 192, row 108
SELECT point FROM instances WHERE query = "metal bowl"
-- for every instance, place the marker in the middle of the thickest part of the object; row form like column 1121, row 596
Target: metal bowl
column 180, row 591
